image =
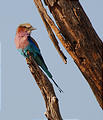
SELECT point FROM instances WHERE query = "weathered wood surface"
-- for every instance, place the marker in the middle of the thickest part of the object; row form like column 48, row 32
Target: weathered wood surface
column 46, row 88
column 80, row 40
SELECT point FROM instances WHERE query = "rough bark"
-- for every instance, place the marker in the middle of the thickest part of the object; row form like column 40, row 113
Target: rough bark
column 46, row 88
column 79, row 39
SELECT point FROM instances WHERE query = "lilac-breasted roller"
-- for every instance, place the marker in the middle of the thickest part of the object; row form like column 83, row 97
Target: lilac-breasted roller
column 24, row 42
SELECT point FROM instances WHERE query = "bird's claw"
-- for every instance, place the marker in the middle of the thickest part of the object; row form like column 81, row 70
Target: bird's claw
column 25, row 54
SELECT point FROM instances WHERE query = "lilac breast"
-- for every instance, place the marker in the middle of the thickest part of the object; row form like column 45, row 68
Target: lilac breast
column 21, row 41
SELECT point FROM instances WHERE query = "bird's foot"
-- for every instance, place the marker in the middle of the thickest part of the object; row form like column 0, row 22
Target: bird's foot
column 25, row 54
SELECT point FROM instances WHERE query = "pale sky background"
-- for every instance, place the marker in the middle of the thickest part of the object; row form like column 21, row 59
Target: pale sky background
column 0, row 76
column 20, row 97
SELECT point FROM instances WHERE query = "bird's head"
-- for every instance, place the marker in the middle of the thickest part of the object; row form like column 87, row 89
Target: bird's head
column 25, row 28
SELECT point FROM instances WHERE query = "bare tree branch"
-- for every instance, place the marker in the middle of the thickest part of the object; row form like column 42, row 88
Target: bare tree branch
column 78, row 37
column 46, row 88
column 49, row 26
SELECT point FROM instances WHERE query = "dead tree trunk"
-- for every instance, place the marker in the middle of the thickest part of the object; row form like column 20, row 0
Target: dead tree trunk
column 46, row 88
column 78, row 37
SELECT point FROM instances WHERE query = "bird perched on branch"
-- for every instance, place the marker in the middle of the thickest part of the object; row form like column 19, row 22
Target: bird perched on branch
column 24, row 42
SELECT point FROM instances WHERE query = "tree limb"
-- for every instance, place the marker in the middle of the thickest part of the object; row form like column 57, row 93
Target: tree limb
column 46, row 88
column 78, row 37
column 49, row 24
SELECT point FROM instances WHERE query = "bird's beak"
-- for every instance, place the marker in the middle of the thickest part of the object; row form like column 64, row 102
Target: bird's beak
column 32, row 28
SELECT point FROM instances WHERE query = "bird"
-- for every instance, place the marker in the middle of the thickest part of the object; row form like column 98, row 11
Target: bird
column 24, row 42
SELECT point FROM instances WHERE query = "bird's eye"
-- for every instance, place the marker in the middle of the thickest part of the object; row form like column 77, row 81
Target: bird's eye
column 25, row 27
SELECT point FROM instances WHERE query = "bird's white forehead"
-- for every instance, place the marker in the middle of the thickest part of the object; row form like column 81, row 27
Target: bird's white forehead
column 26, row 25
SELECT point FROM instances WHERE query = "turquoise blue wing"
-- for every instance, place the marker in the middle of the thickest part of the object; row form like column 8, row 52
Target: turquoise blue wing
column 34, row 44
column 37, row 52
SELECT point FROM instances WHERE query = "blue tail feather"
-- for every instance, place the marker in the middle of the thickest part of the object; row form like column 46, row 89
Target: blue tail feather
column 50, row 76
